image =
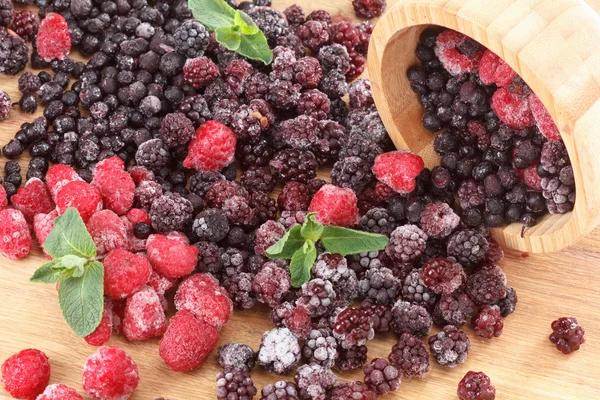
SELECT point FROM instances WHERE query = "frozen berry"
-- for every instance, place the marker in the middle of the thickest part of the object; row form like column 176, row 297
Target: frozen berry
column 453, row 309
column 14, row 228
column 335, row 206
column 42, row 226
column 351, row 359
column 294, row 197
column 508, row 303
column 381, row 376
column 369, row 8
column 314, row 381
column 410, row 356
column 267, row 235
column 13, row 59
column 108, row 232
column 295, row 165
column 450, row 347
column 447, row 49
column 398, row 169
column 468, row 247
column 26, row 24
column 317, row 296
column 58, row 391
column 125, row 273
column 476, row 386
column 512, row 108
column 237, row 356
column 438, row 221
column 442, row 275
column 353, row 327
column 281, row 390
column 543, row 119
column 235, row 383
column 279, row 351
column 271, row 284
column 117, row 189
column 567, row 335
column 380, row 285
column 170, row 212
column 212, row 149
column 352, row 390
column 314, row 34
column 487, row 285
column 144, row 316
column 170, row 255
column 80, row 195
column 5, row 105
column 202, row 296
column 410, row 318
column 320, row 348
column 211, row 225
column 407, row 243
column 110, row 373
column 488, row 322
column 334, row 268
column 191, row 38
column 492, row 69
column 26, row 374
column 33, row 199
column 102, row 333
column 53, row 38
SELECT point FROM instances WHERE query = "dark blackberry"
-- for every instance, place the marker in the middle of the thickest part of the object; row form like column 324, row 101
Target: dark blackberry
column 236, row 356
column 211, row 225
column 442, row 275
column 378, row 220
column 315, row 104
column 410, row 318
column 222, row 190
column 362, row 262
column 272, row 22
column 334, row 57
column 283, row 64
column 283, row 95
column 14, row 53
column 381, row 314
column 201, row 181
column 248, row 121
column 351, row 359
column 257, row 86
column 352, row 172
column 317, row 296
column 346, row 34
column 294, row 197
column 415, row 291
column 381, row 376
column 338, row 111
column 488, row 323
column 438, row 221
column 567, row 335
column 238, row 211
column 333, row 84
column 295, row 165
column 450, row 347
column 281, row 390
column 371, row 127
column 453, row 309
column 152, row 154
column 170, row 212
column 279, row 351
column 209, row 258
column 407, row 243
column 487, row 285
column 236, row 73
column 295, row 15
column 29, row 83
column 410, row 356
column 320, row 348
column 468, row 247
column 559, row 191
column 264, row 207
column 239, row 289
column 291, row 218
column 554, row 156
column 257, row 152
column 176, row 129
column 292, row 41
column 191, row 39
column 508, row 303
column 352, row 390
column 146, row 193
column 236, row 237
column 216, row 91
column 258, row 179
column 476, row 386
column 5, row 105
column 380, row 285
column 360, row 93
column 353, row 327
column 334, row 268
column 235, row 382
column 7, row 13
column 314, row 34
column 358, row 146
column 267, row 235
column 471, row 194
column 332, row 138
column 526, row 153
column 314, row 381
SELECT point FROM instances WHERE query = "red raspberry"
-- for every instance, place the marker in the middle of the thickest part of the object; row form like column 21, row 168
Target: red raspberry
column 446, row 48
column 110, row 373
column 58, row 176
column 187, row 342
column 135, row 245
column 33, row 199
column 335, row 206
column 26, row 374
column 512, row 109
column 108, row 232
column 102, row 333
column 42, row 226
column 81, row 195
column 488, row 322
column 161, row 284
column 118, row 314
column 53, row 38
column 476, row 386
column 140, row 174
column 530, row 177
column 137, row 215
column 171, row 256
column 14, row 226
column 493, row 69
column 543, row 119
column 398, row 169
column 117, row 188
column 144, row 316
column 109, row 164
column 125, row 273
column 199, row 72
column 3, row 198
column 59, row 392
column 201, row 295
column 212, row 149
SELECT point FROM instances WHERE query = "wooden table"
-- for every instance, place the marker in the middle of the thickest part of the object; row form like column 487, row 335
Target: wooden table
column 522, row 363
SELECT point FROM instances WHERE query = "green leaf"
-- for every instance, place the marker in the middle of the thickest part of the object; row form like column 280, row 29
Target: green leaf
column 287, row 245
column 228, row 37
column 71, row 262
column 302, row 263
column 346, row 241
column 51, row 272
column 213, row 13
column 70, row 237
column 255, row 47
column 244, row 23
column 82, row 299
column 311, row 229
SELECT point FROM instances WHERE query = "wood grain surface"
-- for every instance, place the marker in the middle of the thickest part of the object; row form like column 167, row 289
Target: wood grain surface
column 522, row 363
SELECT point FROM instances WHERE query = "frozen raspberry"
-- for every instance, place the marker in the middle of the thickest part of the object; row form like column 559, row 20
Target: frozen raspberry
column 320, row 348
column 448, row 50
column 80, row 195
column 33, row 199
column 26, row 25
column 308, row 73
column 295, row 165
column 144, row 316
column 530, row 177
column 171, row 256
column 125, row 273
column 512, row 108
column 351, row 359
column 236, row 356
column 53, row 38
column 211, row 225
column 14, row 226
column 281, row 390
column 468, row 247
column 235, row 383
column 267, row 235
column 407, row 243
column 487, row 285
column 352, row 390
column 318, row 296
column 476, row 386
column 314, row 381
column 492, row 69
column 140, row 174
column 294, row 197
column 453, row 309
column 410, row 356
column 488, row 322
column 335, row 206
column 117, row 189
column 137, row 216
column 543, row 119
column 508, row 303
column 161, row 284
column 202, row 296
column 26, row 374
column 271, row 284
column 170, row 212
column 438, row 221
column 398, row 169
column 59, row 392
column 42, row 226
column 222, row 190
column 566, row 334
column 279, row 351
column 58, row 176
column 381, row 376
column 212, row 149
column 314, row 34
column 442, row 275
column 110, row 373
column 353, row 327
column 187, row 342
column 410, row 318
column 450, row 347
column 108, row 232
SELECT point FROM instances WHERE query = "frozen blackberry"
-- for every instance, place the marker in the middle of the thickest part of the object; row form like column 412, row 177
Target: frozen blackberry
column 300, row 133
column 283, row 95
column 238, row 211
column 352, row 172
column 295, row 165
column 26, row 24
column 353, row 327
column 264, row 207
column 358, row 146
column 209, row 258
column 380, row 285
column 351, row 359
column 487, row 285
column 320, row 348
column 308, row 73
column 279, row 312
column 559, row 191
column 442, row 275
column 334, row 268
column 415, row 291
column 282, row 66
column 469, row 247
column 508, row 303
column 360, row 93
column 29, row 83
column 362, row 262
column 378, row 220
column 567, row 335
column 191, row 39
column 332, row 137
column 233, row 262
column 381, row 376
column 294, row 197
column 433, row 249
column 314, row 381
column 235, row 383
column 346, row 34
column 334, row 57
column 271, row 283
column 196, row 109
column 438, row 221
column 176, row 129
column 248, row 121
column 381, row 314
column 223, row 110
column 281, row 390
column 488, row 322
column 279, row 351
column 7, row 13
column 236, row 73
column 222, row 190
column 353, row 390
column 554, row 156
column 410, row 356
column 146, row 193
column 211, row 225
column 333, row 84
column 318, row 296
column 315, row 104
column 410, row 318
column 201, row 181
column 295, row 15
column 152, row 154
column 5, row 107
column 453, row 309
column 313, row 34
column 471, row 194
column 256, row 86
column 14, row 53
column 236, row 356
column 258, row 179
column 407, row 243
column 170, row 212
column 476, row 386
column 272, row 22
column 450, row 347
column 257, row 152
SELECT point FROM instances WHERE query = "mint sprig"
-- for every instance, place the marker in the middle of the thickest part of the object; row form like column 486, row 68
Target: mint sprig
column 74, row 266
column 299, row 245
column 234, row 29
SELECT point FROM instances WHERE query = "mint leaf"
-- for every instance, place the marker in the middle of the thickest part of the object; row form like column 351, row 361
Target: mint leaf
column 244, row 23
column 302, row 263
column 51, row 272
column 73, row 262
column 287, row 245
column 228, row 37
column 70, row 237
column 346, row 241
column 213, row 13
column 255, row 47
column 82, row 299
column 311, row 229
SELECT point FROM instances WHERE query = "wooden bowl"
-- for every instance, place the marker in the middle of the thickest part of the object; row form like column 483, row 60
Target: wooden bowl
column 552, row 45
